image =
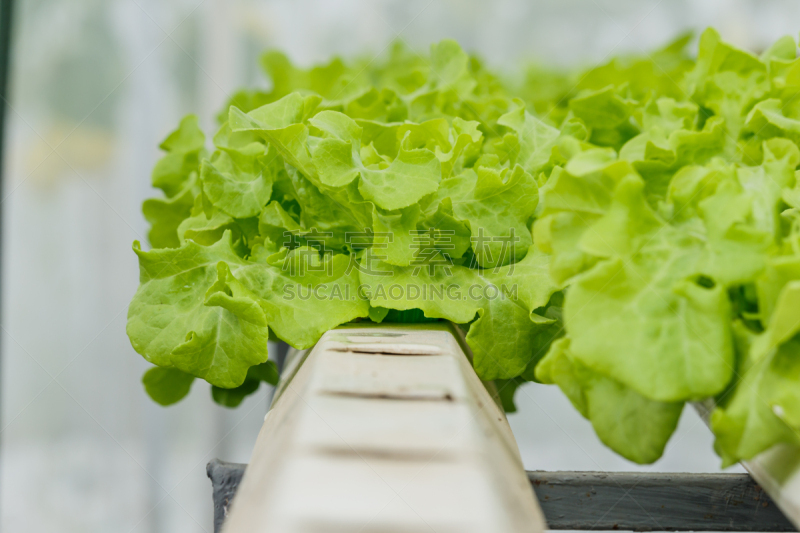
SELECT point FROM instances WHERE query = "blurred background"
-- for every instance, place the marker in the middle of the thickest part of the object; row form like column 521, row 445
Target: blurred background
column 95, row 86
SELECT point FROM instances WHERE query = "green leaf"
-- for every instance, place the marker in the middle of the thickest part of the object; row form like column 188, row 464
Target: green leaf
column 764, row 408
column 446, row 232
column 378, row 314
column 238, row 179
column 627, row 422
column 328, row 215
column 205, row 231
column 450, row 68
column 778, row 272
column 600, row 109
column 465, row 149
column 166, row 214
column 736, row 249
column 727, row 81
column 767, row 120
column 506, row 337
column 333, row 80
column 167, row 386
column 497, row 205
column 410, row 176
column 572, row 201
column 267, row 372
column 304, row 295
column 766, row 182
column 394, row 235
column 506, row 388
column 184, row 148
column 535, row 139
column 430, row 283
column 190, row 312
column 234, row 397
column 280, row 124
column 274, row 221
column 679, row 330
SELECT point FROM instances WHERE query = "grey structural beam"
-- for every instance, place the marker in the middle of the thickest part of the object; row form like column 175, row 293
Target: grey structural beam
column 225, row 478
column 655, row 502
column 612, row 501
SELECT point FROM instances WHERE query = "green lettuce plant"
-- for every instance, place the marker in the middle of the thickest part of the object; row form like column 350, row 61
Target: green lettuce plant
column 629, row 232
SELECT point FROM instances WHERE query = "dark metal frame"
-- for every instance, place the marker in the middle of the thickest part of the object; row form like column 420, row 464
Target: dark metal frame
column 650, row 501
column 599, row 501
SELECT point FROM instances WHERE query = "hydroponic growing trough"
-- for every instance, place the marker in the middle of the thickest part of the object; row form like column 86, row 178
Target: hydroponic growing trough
column 387, row 428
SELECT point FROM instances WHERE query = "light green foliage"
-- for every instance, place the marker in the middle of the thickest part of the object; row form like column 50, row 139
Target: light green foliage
column 625, row 420
column 510, row 334
column 192, row 313
column 185, row 149
column 165, row 215
column 638, row 222
column 496, row 204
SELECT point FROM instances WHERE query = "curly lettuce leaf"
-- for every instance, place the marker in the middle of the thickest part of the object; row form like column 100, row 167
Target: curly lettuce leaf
column 165, row 216
column 508, row 335
column 185, row 150
column 629, row 423
column 412, row 174
column 496, row 204
column 237, row 179
column 191, row 313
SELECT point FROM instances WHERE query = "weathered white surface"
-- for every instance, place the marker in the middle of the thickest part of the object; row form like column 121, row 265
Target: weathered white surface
column 384, row 428
column 777, row 470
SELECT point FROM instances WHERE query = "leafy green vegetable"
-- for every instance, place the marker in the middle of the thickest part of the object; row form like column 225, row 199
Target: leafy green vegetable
column 629, row 232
